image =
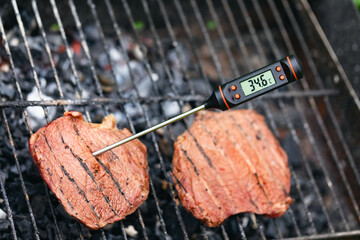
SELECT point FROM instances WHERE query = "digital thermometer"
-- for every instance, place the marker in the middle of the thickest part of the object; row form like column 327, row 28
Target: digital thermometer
column 236, row 92
column 254, row 84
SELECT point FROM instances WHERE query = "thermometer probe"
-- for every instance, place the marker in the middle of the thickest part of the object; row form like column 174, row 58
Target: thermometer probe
column 236, row 92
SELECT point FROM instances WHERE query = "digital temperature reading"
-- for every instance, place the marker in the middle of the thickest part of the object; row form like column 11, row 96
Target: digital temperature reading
column 257, row 83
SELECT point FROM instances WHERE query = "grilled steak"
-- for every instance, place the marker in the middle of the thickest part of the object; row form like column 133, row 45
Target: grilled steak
column 228, row 163
column 95, row 190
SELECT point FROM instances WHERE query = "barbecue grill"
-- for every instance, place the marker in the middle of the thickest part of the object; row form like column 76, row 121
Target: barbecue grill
column 146, row 61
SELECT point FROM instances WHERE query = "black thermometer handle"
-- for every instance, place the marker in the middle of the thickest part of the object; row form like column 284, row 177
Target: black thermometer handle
column 254, row 84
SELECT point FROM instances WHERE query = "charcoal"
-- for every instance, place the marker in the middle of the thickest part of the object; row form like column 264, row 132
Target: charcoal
column 145, row 86
column 42, row 233
column 7, row 90
column 133, row 110
column 91, row 32
column 25, row 228
column 62, row 211
column 4, row 224
column 123, row 78
column 85, row 231
column 38, row 204
column 211, row 235
column 201, row 87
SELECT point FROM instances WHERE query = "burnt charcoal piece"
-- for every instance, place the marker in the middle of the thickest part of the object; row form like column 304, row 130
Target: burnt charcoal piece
column 95, row 190
column 228, row 163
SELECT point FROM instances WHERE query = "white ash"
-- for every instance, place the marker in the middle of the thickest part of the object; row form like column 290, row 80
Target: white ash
column 36, row 114
column 2, row 214
column 131, row 231
column 171, row 108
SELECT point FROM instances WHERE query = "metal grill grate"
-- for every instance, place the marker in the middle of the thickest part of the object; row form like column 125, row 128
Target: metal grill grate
column 223, row 39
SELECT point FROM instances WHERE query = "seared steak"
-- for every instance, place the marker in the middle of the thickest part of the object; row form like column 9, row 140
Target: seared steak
column 95, row 190
column 228, row 163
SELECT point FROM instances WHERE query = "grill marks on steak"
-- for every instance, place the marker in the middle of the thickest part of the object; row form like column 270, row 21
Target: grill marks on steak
column 228, row 163
column 95, row 190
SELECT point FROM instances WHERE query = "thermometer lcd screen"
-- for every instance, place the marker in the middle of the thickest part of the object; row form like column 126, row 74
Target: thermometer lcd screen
column 258, row 82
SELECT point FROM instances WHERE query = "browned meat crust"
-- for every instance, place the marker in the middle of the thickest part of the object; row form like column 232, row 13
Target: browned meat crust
column 228, row 163
column 95, row 190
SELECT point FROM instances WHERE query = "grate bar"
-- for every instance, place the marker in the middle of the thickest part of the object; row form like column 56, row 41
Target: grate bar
column 160, row 50
column 78, row 89
column 321, row 122
column 298, row 188
column 258, row 225
column 31, row 61
column 238, row 37
column 161, row 218
column 186, row 27
column 15, row 77
column 338, row 235
column 278, row 229
column 58, row 232
column 47, row 48
column 207, row 40
column 222, row 37
column 123, row 230
column 241, row 229
column 224, row 233
column 9, row 214
column 85, row 47
column 152, row 99
column 103, row 235
column 141, row 220
column 203, row 231
column 22, row 183
column 137, row 37
column 175, row 44
column 107, row 101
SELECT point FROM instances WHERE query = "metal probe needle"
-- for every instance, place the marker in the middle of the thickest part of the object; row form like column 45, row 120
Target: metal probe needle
column 153, row 128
